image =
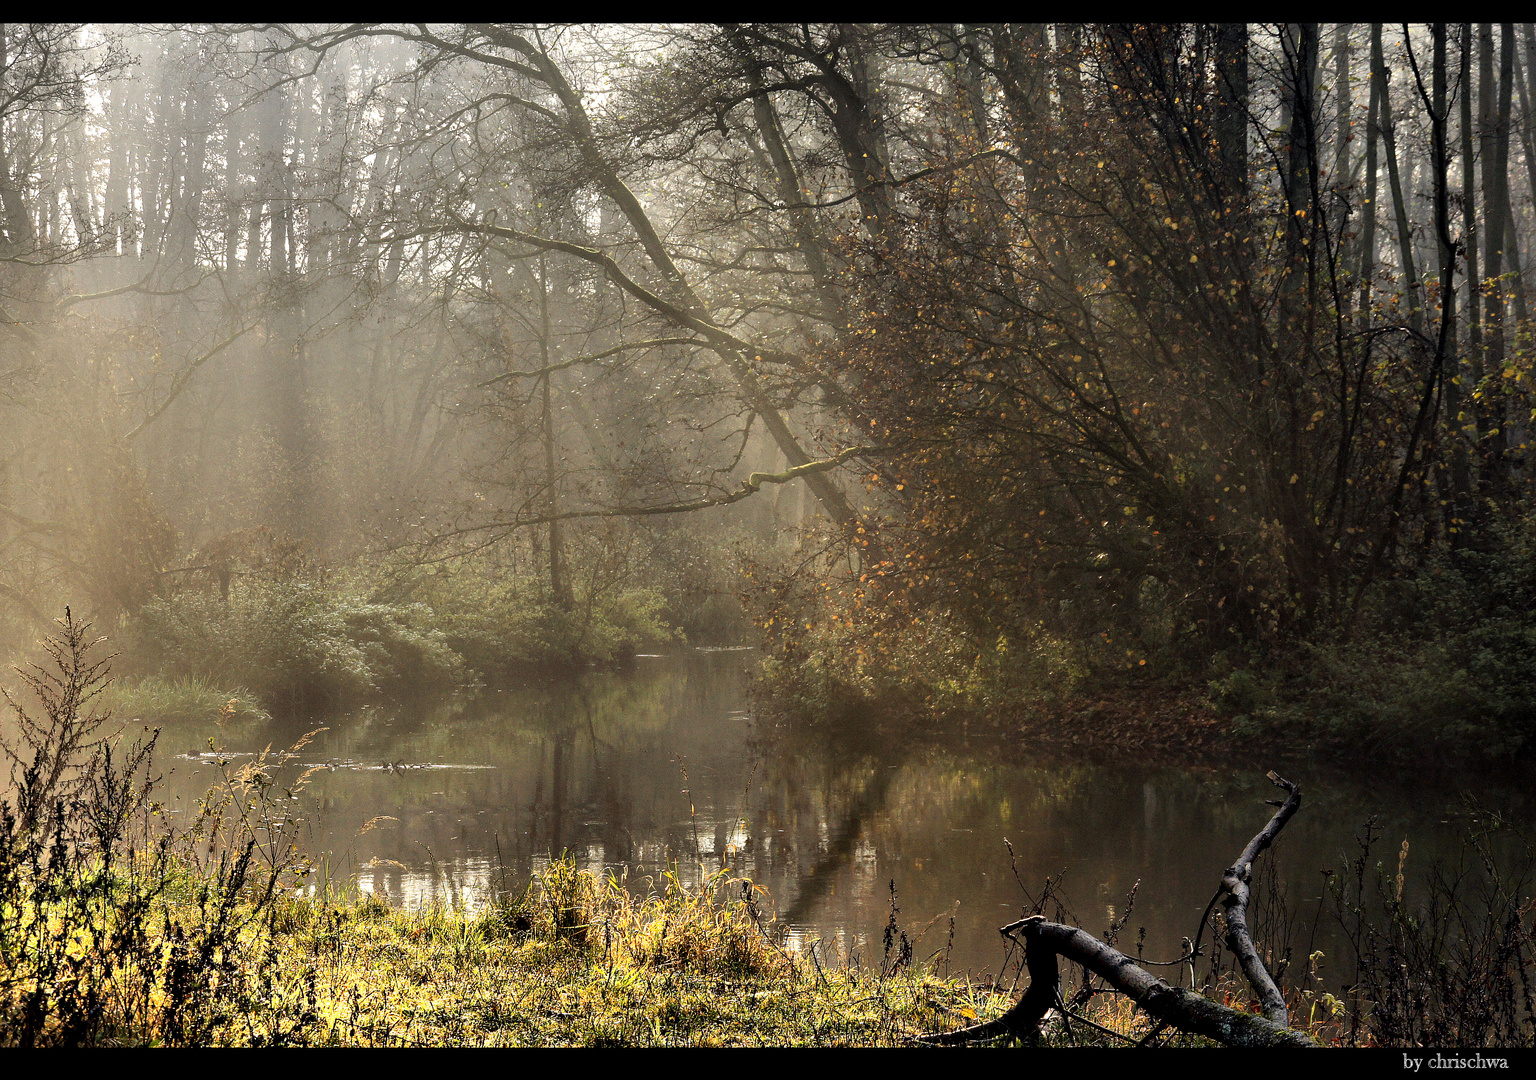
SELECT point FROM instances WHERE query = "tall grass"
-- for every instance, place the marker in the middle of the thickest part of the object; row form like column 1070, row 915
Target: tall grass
column 113, row 926
column 1449, row 960
column 188, row 699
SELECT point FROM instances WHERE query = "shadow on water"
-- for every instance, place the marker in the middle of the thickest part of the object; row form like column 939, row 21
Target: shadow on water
column 658, row 769
column 825, row 872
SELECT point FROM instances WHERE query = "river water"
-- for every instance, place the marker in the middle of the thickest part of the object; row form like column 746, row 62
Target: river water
column 660, row 769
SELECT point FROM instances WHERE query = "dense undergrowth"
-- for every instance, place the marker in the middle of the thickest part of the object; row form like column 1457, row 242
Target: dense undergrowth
column 258, row 619
column 311, row 643
column 1443, row 661
column 1440, row 661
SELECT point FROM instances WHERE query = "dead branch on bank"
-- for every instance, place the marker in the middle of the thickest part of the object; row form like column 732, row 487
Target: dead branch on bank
column 1171, row 1006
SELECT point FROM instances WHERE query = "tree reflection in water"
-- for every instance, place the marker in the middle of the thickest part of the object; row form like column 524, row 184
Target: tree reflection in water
column 483, row 792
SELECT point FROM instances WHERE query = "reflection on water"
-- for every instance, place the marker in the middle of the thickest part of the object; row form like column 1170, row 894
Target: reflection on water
column 656, row 769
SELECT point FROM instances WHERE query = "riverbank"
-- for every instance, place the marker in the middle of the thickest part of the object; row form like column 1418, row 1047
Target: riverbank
column 1108, row 722
column 670, row 971
column 577, row 960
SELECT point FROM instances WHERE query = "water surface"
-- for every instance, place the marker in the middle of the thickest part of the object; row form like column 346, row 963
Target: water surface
column 659, row 769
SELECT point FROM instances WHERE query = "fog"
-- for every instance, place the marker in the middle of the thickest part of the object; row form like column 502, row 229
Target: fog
column 1052, row 428
column 255, row 312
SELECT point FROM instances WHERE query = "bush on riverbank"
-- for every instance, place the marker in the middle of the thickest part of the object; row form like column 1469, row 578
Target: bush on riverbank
column 1441, row 660
column 503, row 624
column 294, row 644
column 297, row 644
column 832, row 659
column 1444, row 662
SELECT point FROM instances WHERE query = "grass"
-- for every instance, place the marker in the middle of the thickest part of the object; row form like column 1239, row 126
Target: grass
column 660, row 972
column 154, row 700
column 577, row 960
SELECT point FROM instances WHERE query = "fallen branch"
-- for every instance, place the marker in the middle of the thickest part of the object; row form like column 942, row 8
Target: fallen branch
column 1174, row 1006
column 1235, row 881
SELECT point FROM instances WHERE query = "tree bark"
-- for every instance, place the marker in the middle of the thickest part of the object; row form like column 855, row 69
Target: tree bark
column 559, row 586
column 1372, row 138
column 1495, row 102
column 1231, row 122
column 1341, row 105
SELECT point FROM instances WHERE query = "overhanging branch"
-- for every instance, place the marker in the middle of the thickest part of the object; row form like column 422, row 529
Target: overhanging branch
column 750, row 486
column 591, row 358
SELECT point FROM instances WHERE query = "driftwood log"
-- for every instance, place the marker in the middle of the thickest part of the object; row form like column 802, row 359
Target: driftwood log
column 1171, row 1006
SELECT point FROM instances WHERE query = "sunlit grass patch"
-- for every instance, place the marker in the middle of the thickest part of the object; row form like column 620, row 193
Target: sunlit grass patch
column 157, row 700
column 580, row 960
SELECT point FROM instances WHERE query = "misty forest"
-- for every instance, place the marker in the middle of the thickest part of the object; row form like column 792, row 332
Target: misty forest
column 638, row 535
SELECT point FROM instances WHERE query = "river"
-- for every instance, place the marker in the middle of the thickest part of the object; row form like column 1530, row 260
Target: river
column 661, row 768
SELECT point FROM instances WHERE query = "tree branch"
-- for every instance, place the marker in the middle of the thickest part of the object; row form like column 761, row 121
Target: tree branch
column 1185, row 1009
column 591, row 358
column 750, row 486
column 180, row 382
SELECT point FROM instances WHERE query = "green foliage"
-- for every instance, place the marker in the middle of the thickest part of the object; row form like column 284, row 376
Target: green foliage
column 311, row 644
column 1239, row 691
column 156, row 700
column 295, row 644
column 697, row 569
column 1445, row 660
column 502, row 624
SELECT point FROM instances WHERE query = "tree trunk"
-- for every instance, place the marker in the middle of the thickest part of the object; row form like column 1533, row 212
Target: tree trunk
column 1341, row 105
column 1399, row 205
column 1372, row 138
column 1231, row 122
column 559, row 587
column 1495, row 100
column 1461, row 476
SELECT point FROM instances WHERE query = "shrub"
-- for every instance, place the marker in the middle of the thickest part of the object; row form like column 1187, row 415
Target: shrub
column 501, row 623
column 296, row 645
column 1445, row 660
column 107, row 933
column 834, row 666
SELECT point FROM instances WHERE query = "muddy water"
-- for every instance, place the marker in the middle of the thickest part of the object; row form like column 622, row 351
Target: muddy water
column 659, row 769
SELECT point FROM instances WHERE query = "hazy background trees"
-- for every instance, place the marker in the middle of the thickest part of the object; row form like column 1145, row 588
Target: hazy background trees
column 1173, row 339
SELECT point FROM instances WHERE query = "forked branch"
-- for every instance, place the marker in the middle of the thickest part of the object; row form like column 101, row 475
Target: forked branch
column 1173, row 1006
